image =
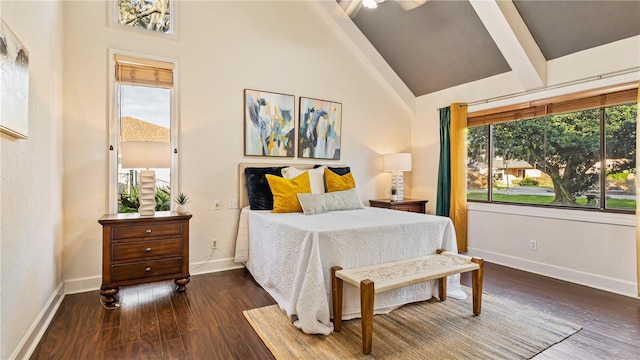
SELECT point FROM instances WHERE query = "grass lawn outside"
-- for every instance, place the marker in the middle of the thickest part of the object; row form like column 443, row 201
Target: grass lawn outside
column 617, row 204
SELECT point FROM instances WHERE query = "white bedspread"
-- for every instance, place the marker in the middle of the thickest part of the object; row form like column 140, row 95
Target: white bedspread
column 290, row 256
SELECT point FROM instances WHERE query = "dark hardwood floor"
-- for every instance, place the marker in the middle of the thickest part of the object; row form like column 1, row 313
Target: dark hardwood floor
column 206, row 321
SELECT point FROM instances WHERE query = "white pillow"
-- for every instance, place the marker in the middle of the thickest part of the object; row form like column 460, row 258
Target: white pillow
column 316, row 177
column 338, row 200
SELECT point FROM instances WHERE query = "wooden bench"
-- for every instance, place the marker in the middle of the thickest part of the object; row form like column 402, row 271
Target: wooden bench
column 379, row 278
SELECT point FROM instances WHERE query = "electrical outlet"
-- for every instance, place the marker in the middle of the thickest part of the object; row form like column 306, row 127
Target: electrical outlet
column 214, row 243
column 533, row 245
column 217, row 205
column 233, row 203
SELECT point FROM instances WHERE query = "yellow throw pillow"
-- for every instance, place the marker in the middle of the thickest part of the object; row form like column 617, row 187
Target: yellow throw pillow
column 285, row 192
column 336, row 182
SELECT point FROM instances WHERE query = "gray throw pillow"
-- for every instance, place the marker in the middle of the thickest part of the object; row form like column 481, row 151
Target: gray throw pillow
column 313, row 204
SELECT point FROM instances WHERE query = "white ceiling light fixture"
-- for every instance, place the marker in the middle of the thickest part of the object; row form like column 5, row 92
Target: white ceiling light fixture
column 351, row 7
column 370, row 4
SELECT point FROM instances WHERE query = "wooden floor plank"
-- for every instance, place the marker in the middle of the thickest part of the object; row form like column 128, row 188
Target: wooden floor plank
column 149, row 323
column 206, row 321
column 174, row 349
column 183, row 313
column 130, row 315
column 164, row 310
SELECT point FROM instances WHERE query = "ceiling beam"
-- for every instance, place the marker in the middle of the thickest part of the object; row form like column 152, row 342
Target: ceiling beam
column 511, row 35
column 351, row 7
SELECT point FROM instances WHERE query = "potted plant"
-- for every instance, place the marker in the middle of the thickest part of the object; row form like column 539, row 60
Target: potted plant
column 394, row 194
column 182, row 201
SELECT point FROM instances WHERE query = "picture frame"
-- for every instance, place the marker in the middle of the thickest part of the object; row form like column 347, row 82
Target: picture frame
column 269, row 124
column 320, row 128
column 14, row 84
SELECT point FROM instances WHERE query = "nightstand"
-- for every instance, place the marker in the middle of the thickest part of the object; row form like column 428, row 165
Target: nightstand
column 411, row 205
column 139, row 249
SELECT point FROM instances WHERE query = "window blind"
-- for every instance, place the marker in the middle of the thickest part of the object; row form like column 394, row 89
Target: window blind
column 146, row 72
column 592, row 99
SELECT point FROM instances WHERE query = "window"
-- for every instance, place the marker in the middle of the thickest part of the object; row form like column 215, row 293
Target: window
column 575, row 153
column 143, row 114
column 152, row 15
column 478, row 174
column 620, row 155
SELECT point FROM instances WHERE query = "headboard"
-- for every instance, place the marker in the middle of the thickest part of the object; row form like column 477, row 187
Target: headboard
column 243, row 198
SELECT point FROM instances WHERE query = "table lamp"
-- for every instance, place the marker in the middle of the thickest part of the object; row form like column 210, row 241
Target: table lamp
column 397, row 163
column 146, row 155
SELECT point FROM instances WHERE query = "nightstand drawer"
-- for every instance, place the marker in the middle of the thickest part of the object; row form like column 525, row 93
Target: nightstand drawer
column 140, row 270
column 410, row 208
column 128, row 232
column 410, row 205
column 145, row 249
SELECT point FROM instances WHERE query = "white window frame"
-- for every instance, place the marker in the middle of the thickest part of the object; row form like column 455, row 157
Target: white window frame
column 113, row 129
column 112, row 21
column 573, row 214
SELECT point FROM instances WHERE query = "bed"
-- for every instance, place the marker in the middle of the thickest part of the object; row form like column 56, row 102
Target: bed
column 290, row 255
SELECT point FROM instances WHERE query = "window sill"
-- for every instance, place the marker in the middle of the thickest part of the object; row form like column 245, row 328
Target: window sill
column 554, row 213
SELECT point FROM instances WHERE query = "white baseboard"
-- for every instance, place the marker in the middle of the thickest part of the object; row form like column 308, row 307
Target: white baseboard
column 80, row 285
column 627, row 288
column 28, row 344
column 204, row 267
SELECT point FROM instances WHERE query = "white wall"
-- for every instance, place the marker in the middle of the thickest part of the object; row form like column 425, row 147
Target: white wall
column 31, row 186
column 221, row 49
column 588, row 248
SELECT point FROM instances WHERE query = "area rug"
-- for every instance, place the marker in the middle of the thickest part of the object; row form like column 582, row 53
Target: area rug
column 425, row 330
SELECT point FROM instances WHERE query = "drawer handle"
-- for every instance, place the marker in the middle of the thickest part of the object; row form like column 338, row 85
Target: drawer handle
column 147, row 269
column 148, row 231
column 147, row 249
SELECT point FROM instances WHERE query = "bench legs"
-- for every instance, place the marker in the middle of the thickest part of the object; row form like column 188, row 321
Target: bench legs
column 367, row 292
column 442, row 288
column 336, row 291
column 476, row 285
column 367, row 295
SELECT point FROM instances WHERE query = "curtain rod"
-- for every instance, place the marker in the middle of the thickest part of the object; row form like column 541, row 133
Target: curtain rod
column 459, row 106
column 556, row 86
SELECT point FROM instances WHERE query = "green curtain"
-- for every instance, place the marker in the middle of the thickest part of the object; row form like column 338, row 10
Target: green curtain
column 443, row 200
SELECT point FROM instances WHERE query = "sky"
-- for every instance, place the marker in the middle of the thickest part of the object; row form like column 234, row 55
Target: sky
column 146, row 103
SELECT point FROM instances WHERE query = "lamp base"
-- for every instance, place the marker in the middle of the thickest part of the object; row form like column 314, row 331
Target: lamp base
column 397, row 182
column 147, row 193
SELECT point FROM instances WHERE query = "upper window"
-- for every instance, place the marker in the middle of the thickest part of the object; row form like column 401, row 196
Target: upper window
column 153, row 15
column 143, row 119
column 582, row 158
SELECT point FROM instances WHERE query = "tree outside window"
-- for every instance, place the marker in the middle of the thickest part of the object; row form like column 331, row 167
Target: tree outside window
column 154, row 15
column 557, row 159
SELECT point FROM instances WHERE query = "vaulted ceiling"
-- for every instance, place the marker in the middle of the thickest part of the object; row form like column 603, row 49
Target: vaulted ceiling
column 441, row 44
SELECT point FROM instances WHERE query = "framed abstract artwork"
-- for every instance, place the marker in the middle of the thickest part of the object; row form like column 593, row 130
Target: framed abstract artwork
column 14, row 84
column 269, row 124
column 320, row 129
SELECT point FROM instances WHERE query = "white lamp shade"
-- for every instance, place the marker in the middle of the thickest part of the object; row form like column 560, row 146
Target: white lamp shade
column 397, row 162
column 145, row 154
